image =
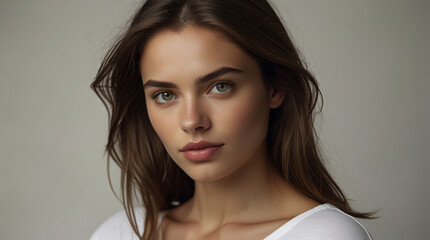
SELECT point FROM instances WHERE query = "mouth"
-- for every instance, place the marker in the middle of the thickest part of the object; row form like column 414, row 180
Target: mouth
column 201, row 155
column 199, row 146
column 200, row 151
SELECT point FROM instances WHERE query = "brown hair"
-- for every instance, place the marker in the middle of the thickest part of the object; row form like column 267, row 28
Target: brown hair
column 148, row 174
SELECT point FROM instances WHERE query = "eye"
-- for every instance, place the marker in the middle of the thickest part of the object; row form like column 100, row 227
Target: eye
column 163, row 97
column 221, row 87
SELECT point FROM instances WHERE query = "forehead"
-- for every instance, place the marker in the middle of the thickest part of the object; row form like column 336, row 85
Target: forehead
column 193, row 50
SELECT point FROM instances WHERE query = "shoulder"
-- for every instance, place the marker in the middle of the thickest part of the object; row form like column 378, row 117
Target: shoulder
column 117, row 227
column 327, row 222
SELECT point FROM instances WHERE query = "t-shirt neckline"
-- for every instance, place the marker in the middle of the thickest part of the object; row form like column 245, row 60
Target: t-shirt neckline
column 282, row 229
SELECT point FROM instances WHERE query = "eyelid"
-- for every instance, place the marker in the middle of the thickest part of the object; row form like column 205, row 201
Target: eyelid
column 155, row 95
column 222, row 81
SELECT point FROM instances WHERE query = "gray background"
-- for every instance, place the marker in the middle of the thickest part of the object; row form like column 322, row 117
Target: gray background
column 371, row 58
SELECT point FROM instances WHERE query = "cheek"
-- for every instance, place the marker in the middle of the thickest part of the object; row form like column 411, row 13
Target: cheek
column 161, row 123
column 246, row 120
column 164, row 125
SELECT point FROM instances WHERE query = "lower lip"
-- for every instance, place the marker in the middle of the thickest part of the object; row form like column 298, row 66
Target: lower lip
column 201, row 154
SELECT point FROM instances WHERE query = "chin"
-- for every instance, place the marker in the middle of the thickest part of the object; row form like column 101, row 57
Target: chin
column 208, row 174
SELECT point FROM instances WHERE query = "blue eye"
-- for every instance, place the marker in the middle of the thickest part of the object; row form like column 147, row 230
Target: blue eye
column 221, row 87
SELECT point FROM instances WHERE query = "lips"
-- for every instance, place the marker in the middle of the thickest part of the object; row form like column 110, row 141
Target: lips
column 200, row 151
column 199, row 145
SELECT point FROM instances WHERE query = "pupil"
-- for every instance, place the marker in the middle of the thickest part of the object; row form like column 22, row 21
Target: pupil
column 166, row 96
column 222, row 87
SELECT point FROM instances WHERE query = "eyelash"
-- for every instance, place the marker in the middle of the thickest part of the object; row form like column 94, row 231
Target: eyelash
column 230, row 84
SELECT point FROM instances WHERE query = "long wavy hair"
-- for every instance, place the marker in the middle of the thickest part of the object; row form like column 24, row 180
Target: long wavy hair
column 149, row 177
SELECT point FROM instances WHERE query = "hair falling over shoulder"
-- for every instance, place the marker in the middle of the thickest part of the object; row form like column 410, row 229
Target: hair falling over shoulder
column 149, row 177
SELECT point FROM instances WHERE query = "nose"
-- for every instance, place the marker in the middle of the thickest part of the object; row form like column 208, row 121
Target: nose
column 194, row 117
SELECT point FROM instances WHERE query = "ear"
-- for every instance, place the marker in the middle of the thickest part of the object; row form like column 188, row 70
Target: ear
column 276, row 97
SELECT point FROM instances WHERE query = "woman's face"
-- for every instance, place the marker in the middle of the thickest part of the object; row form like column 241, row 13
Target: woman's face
column 187, row 104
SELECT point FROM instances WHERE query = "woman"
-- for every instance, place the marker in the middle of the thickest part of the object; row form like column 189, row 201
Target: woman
column 211, row 122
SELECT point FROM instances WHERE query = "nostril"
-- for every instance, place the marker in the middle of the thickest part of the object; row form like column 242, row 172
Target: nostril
column 198, row 129
column 195, row 120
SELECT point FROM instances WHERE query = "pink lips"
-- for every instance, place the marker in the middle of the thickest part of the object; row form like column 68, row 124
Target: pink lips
column 200, row 151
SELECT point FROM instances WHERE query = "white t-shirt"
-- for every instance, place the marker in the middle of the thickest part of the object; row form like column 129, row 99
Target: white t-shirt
column 323, row 222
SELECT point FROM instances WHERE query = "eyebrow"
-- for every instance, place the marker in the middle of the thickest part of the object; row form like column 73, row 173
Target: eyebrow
column 198, row 81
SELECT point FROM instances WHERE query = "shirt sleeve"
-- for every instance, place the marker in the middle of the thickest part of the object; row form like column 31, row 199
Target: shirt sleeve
column 117, row 227
column 329, row 224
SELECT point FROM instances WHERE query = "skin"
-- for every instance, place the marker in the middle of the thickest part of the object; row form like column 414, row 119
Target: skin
column 238, row 193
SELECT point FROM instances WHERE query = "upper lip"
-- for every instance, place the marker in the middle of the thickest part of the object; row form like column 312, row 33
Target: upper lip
column 199, row 145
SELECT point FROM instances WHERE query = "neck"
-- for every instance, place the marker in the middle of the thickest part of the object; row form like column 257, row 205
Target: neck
column 240, row 197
